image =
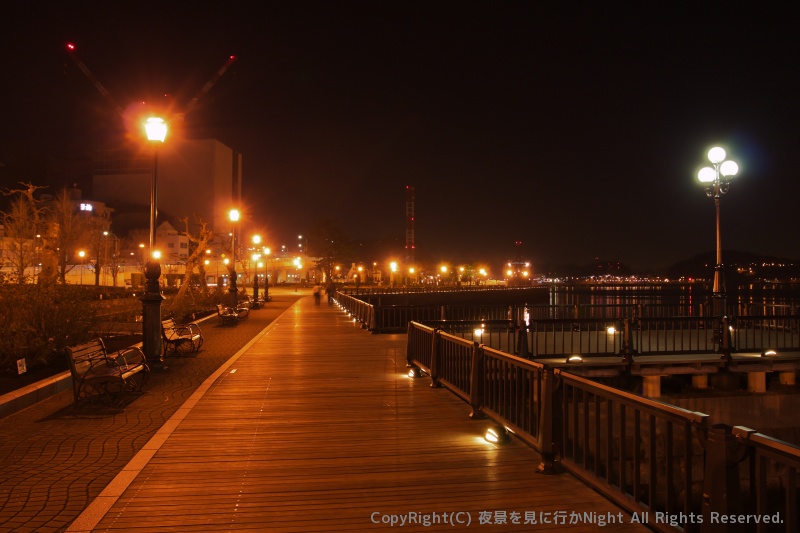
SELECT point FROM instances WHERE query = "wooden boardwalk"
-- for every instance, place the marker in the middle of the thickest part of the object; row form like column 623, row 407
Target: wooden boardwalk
column 315, row 426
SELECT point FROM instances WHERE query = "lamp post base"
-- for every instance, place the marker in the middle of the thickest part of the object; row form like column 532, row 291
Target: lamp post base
column 233, row 290
column 152, row 342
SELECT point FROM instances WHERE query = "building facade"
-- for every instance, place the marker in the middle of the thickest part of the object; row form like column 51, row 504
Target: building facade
column 196, row 179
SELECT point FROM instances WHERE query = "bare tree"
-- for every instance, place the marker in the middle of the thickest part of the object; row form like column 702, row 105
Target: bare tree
column 21, row 223
column 66, row 227
column 96, row 234
column 328, row 242
column 197, row 251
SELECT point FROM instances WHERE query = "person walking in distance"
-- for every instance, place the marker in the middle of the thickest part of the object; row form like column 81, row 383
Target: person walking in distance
column 330, row 290
column 317, row 295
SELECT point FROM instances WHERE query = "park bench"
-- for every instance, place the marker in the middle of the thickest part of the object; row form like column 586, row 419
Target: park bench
column 227, row 315
column 182, row 338
column 97, row 373
column 243, row 308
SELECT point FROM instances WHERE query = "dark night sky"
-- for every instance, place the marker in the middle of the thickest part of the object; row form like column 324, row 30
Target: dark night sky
column 574, row 127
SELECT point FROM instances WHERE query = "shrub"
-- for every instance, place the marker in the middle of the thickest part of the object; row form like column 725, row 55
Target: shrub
column 41, row 320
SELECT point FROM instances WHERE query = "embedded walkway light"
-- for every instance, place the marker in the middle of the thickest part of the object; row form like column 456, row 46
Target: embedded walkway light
column 497, row 435
column 156, row 131
column 716, row 179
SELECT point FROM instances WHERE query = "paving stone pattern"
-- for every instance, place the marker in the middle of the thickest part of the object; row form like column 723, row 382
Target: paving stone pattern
column 56, row 458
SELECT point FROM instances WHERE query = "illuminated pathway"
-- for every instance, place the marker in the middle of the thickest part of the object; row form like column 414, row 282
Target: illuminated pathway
column 315, row 426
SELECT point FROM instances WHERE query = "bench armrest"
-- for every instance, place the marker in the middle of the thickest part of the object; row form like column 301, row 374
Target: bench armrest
column 187, row 329
column 130, row 356
column 100, row 364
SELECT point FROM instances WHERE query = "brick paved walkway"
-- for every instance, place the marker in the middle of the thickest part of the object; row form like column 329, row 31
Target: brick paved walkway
column 55, row 459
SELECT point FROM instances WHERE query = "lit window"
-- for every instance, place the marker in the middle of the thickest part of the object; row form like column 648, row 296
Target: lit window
column 86, row 207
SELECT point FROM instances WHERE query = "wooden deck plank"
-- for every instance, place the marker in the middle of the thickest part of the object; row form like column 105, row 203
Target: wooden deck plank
column 316, row 427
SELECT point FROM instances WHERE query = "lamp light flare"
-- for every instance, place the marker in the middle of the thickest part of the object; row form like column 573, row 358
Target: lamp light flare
column 729, row 168
column 156, row 129
column 716, row 155
column 706, row 175
column 497, row 435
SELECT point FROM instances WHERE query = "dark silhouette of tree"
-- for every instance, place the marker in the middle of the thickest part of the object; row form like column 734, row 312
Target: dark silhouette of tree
column 327, row 241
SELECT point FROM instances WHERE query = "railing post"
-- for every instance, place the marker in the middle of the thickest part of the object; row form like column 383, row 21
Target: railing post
column 410, row 344
column 549, row 424
column 435, row 343
column 726, row 346
column 721, row 483
column 627, row 345
column 476, row 379
column 522, row 342
column 442, row 314
column 374, row 320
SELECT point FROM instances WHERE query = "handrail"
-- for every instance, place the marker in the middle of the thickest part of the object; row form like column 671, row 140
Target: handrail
column 645, row 455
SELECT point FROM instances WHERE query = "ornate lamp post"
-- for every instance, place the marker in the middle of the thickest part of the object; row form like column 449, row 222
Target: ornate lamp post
column 266, row 274
column 256, row 257
column 256, row 263
column 156, row 130
column 234, row 217
column 717, row 181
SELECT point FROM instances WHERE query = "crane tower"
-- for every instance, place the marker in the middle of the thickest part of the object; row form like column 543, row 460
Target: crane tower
column 409, row 224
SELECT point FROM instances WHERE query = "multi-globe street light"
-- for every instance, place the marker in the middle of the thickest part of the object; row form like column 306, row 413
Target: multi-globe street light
column 156, row 131
column 716, row 179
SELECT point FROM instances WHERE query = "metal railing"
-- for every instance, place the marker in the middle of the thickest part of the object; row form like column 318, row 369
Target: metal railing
column 640, row 453
column 766, row 332
column 673, row 335
column 645, row 455
column 767, row 474
column 612, row 334
column 498, row 334
column 574, row 336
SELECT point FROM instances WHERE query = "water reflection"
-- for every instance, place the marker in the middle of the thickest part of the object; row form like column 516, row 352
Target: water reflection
column 690, row 299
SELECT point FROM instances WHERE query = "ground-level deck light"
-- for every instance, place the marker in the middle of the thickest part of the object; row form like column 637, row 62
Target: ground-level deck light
column 497, row 435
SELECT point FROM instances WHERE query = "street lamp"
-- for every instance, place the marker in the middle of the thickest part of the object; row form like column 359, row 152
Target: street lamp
column 156, row 130
column 256, row 257
column 81, row 254
column 234, row 217
column 717, row 181
column 298, row 264
column 266, row 274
